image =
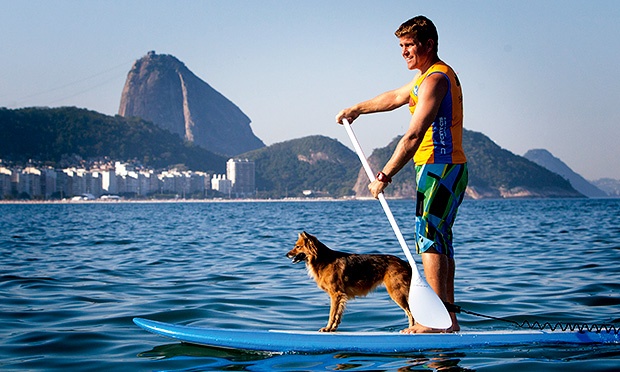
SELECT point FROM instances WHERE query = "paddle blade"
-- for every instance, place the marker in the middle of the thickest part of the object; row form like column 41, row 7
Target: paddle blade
column 426, row 307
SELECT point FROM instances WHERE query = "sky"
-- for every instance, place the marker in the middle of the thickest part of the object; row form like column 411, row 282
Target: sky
column 535, row 74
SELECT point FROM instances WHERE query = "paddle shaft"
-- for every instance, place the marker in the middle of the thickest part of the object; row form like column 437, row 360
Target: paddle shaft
column 425, row 305
column 386, row 208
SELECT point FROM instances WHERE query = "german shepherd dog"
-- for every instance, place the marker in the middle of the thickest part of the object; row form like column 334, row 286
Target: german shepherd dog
column 345, row 276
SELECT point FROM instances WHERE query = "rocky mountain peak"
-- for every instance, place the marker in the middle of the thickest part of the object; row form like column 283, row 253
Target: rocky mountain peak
column 161, row 89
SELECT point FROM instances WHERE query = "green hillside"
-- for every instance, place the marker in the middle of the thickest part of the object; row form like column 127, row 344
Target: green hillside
column 317, row 163
column 491, row 168
column 48, row 134
column 494, row 167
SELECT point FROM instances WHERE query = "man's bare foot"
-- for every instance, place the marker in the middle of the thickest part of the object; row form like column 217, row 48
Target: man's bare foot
column 419, row 328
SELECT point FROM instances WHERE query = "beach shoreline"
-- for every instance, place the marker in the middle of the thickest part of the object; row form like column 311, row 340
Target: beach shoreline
column 163, row 201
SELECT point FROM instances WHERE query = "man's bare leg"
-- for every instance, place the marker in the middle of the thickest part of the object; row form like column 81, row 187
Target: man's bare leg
column 450, row 292
column 439, row 271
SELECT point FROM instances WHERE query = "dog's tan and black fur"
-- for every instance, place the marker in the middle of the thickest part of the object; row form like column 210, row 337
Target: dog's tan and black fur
column 345, row 276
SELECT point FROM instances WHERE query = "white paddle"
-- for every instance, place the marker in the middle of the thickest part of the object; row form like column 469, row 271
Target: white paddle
column 426, row 307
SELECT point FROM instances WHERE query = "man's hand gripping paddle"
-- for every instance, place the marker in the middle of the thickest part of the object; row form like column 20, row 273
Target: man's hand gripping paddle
column 426, row 307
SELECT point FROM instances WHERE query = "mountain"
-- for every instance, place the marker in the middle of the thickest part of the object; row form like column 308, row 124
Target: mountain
column 493, row 173
column 50, row 135
column 545, row 159
column 609, row 185
column 316, row 164
column 161, row 89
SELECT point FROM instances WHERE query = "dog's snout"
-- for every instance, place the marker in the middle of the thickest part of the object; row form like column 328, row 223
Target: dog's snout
column 296, row 256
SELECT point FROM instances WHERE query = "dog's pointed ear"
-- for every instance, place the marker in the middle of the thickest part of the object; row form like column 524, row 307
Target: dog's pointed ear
column 308, row 237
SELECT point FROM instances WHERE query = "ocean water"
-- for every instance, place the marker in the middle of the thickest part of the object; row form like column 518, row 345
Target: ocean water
column 72, row 277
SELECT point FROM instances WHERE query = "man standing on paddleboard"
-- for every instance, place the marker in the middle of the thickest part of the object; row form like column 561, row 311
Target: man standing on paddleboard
column 434, row 142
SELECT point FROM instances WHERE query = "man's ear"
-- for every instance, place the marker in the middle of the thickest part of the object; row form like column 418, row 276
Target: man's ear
column 430, row 45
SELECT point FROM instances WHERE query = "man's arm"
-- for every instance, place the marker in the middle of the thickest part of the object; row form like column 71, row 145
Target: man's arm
column 431, row 93
column 387, row 101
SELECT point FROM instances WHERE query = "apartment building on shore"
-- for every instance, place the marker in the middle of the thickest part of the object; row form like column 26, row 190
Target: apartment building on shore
column 124, row 179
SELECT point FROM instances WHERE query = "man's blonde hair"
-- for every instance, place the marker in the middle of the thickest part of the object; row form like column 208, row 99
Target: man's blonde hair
column 421, row 29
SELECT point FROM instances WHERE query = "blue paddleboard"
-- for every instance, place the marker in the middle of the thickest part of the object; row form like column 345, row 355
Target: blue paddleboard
column 284, row 341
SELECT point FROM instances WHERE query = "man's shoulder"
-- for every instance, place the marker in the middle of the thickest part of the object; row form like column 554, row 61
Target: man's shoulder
column 441, row 66
column 435, row 80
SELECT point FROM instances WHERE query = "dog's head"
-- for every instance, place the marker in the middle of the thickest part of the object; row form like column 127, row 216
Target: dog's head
column 305, row 248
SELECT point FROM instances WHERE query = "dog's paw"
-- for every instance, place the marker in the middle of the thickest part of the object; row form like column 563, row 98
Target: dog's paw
column 326, row 329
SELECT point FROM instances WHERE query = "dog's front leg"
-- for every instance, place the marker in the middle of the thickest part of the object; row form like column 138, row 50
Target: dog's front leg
column 338, row 302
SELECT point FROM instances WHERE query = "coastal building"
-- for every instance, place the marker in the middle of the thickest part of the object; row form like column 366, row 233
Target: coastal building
column 5, row 182
column 108, row 182
column 48, row 182
column 167, row 182
column 200, row 183
column 94, row 183
column 241, row 173
column 30, row 182
column 105, row 178
column 64, row 184
column 128, row 183
column 148, row 183
column 80, row 178
column 221, row 184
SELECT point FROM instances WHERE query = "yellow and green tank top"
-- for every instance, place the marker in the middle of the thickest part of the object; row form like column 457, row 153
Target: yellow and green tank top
column 443, row 142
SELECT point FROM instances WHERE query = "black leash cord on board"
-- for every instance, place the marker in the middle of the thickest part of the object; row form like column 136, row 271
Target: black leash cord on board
column 597, row 328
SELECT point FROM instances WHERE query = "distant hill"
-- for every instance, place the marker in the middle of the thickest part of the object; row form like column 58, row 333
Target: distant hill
column 46, row 134
column 493, row 173
column 318, row 164
column 609, row 186
column 161, row 89
column 545, row 159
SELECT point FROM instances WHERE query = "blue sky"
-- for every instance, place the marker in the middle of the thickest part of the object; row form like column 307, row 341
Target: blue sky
column 535, row 74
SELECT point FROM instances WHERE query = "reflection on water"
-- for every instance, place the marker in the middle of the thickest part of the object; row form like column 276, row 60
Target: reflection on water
column 212, row 358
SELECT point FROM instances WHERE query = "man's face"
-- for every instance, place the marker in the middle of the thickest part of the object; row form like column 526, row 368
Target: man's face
column 414, row 53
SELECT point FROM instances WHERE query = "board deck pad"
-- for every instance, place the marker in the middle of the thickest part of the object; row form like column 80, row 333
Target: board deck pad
column 373, row 342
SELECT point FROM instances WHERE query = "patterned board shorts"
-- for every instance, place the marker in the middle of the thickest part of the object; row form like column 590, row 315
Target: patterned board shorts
column 440, row 191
